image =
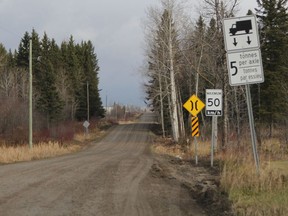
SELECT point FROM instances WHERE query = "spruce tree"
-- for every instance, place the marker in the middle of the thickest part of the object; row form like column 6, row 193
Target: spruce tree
column 89, row 65
column 91, row 69
column 75, row 76
column 49, row 102
column 23, row 51
column 273, row 22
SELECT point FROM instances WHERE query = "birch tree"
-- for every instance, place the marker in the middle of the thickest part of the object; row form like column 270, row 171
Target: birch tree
column 163, row 66
column 218, row 10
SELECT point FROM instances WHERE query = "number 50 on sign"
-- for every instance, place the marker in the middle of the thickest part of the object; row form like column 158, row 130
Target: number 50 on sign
column 213, row 102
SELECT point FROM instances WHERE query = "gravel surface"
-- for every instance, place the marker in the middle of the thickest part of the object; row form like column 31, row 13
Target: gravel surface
column 116, row 176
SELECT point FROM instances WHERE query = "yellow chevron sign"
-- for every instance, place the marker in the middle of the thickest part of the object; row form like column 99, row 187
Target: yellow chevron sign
column 194, row 105
column 195, row 127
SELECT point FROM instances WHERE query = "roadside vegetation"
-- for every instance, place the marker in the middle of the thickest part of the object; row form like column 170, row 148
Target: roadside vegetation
column 63, row 75
column 9, row 154
column 63, row 139
column 251, row 193
column 186, row 57
column 46, row 144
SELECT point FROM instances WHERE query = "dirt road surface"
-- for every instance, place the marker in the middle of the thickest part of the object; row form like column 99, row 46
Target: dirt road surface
column 112, row 177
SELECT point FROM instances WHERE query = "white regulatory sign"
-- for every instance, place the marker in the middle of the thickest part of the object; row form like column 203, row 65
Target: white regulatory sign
column 213, row 102
column 245, row 68
column 241, row 33
column 86, row 124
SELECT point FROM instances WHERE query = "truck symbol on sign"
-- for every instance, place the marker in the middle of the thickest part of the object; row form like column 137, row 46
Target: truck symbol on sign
column 245, row 25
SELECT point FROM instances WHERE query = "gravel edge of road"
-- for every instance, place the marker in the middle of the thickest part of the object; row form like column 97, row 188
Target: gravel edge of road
column 202, row 182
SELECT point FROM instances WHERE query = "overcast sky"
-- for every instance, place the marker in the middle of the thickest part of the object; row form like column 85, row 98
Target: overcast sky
column 113, row 26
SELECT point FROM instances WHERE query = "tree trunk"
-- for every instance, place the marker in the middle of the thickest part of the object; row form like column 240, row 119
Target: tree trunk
column 161, row 105
column 180, row 116
column 174, row 120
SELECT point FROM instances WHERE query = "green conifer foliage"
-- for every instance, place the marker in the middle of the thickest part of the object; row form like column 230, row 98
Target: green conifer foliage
column 49, row 102
column 60, row 76
column 273, row 22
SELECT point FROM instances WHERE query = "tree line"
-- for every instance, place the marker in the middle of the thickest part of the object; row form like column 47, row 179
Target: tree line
column 62, row 77
column 185, row 58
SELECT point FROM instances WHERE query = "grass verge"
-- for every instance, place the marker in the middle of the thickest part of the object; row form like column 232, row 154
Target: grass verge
column 251, row 193
column 48, row 149
column 263, row 193
column 39, row 151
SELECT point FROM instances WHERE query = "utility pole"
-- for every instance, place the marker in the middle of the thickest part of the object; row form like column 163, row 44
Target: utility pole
column 30, row 97
column 88, row 102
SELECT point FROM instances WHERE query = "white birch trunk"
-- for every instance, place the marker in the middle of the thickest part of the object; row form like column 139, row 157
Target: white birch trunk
column 174, row 120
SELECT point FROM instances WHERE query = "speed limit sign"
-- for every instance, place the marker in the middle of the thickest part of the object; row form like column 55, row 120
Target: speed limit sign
column 213, row 102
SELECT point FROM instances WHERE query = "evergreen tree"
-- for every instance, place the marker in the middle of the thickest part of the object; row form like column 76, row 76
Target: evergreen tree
column 89, row 65
column 273, row 20
column 55, row 55
column 75, row 76
column 91, row 69
column 12, row 59
column 49, row 102
column 23, row 51
column 3, row 55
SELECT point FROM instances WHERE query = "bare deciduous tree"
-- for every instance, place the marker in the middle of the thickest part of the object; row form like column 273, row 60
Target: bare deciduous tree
column 162, row 57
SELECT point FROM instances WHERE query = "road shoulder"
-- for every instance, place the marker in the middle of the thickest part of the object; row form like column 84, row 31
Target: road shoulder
column 200, row 182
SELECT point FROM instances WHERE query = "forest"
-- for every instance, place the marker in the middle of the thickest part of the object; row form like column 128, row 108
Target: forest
column 184, row 57
column 62, row 76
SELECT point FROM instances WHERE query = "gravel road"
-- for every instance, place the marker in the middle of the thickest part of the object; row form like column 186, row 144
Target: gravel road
column 112, row 177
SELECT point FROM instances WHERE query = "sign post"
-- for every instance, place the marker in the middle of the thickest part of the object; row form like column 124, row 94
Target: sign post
column 194, row 105
column 86, row 125
column 214, row 109
column 244, row 62
column 252, row 127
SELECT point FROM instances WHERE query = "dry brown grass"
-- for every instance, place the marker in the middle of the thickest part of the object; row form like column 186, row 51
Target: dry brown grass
column 252, row 193
column 92, row 135
column 50, row 149
column 39, row 151
column 165, row 146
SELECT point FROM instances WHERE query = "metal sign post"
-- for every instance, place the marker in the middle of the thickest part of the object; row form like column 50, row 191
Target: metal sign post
column 244, row 62
column 252, row 127
column 214, row 109
column 196, row 150
column 213, row 139
column 86, row 125
column 195, row 134
column 194, row 105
